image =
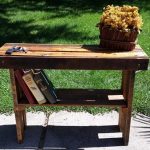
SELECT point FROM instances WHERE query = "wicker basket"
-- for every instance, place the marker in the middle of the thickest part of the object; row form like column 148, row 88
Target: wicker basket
column 117, row 40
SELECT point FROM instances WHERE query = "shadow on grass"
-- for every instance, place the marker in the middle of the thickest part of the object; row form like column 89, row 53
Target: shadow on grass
column 22, row 31
column 59, row 137
column 25, row 31
column 70, row 5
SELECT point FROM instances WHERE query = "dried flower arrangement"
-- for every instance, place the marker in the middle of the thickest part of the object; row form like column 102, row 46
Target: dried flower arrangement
column 119, row 27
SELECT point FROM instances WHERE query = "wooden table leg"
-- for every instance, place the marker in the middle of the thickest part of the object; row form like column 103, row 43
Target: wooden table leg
column 125, row 113
column 19, row 111
column 24, row 118
column 19, row 124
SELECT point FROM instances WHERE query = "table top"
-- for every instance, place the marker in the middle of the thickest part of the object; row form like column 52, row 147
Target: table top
column 75, row 56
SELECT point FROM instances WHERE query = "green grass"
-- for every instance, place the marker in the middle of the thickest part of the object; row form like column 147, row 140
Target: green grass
column 68, row 21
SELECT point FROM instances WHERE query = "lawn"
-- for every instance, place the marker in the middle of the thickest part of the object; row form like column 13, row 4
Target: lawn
column 68, row 21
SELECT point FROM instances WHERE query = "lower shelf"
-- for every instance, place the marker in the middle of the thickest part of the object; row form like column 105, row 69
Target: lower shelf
column 91, row 97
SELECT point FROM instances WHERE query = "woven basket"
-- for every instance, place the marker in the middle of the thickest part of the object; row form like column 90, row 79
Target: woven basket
column 116, row 39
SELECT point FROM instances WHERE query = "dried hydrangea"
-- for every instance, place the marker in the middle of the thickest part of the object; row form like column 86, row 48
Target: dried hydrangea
column 123, row 18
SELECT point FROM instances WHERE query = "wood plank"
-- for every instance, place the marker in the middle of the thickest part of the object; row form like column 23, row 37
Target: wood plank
column 124, row 88
column 56, row 47
column 73, row 51
column 14, row 88
column 73, row 54
column 130, row 88
column 73, row 63
column 49, row 48
column 73, row 57
column 86, row 97
column 125, row 113
column 19, row 126
column 39, row 47
column 24, row 118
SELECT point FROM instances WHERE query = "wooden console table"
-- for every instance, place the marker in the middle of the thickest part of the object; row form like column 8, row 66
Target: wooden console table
column 86, row 57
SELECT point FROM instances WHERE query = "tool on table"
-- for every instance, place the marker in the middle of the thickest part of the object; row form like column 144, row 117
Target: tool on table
column 16, row 49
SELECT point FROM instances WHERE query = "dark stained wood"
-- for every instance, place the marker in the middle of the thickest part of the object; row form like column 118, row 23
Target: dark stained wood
column 63, row 48
column 86, row 57
column 14, row 89
column 73, row 57
column 19, row 111
column 85, row 97
column 72, row 63
column 125, row 113
column 19, row 124
column 24, row 118
column 124, row 88
column 131, row 78
column 20, row 116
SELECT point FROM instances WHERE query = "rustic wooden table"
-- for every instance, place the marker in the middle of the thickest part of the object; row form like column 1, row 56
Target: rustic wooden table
column 85, row 57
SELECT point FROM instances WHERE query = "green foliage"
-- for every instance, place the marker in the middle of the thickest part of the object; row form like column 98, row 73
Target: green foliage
column 68, row 21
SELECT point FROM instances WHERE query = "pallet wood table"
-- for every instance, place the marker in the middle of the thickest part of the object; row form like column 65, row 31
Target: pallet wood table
column 86, row 57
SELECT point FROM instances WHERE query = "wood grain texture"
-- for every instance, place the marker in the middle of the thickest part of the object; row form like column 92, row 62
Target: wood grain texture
column 19, row 126
column 85, row 97
column 24, row 118
column 86, row 57
column 19, row 111
column 21, row 122
column 72, row 57
column 14, row 88
column 125, row 113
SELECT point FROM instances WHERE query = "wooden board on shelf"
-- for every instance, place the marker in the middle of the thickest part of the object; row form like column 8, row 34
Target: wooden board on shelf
column 88, row 97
